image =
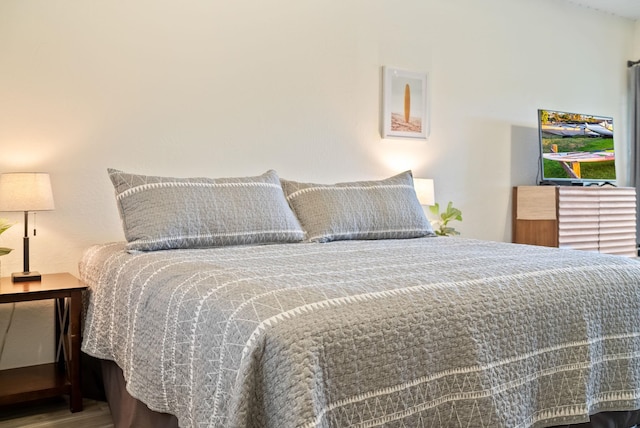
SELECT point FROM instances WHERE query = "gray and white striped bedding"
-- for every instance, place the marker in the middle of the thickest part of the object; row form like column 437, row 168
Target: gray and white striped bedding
column 433, row 332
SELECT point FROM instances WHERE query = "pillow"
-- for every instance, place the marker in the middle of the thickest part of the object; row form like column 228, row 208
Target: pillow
column 161, row 213
column 385, row 209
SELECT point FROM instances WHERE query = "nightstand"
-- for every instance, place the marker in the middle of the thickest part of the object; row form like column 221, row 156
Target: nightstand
column 62, row 376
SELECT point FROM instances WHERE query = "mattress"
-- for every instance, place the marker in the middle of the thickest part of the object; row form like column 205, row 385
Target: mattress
column 440, row 332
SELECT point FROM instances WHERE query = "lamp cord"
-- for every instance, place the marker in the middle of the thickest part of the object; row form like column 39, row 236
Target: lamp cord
column 6, row 331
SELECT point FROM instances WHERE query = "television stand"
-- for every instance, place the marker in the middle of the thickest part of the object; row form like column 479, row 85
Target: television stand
column 593, row 218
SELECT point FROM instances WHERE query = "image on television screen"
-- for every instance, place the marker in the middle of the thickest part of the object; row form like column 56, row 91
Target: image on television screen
column 576, row 147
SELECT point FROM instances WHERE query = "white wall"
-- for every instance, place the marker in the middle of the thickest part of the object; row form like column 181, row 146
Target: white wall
column 635, row 49
column 213, row 88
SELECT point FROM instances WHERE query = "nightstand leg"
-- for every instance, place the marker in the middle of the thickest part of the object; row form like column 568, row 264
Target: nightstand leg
column 75, row 317
column 62, row 330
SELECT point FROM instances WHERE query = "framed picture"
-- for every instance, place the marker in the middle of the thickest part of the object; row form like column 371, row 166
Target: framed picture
column 404, row 102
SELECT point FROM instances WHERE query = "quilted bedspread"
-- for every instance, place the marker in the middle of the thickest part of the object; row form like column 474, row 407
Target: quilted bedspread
column 428, row 332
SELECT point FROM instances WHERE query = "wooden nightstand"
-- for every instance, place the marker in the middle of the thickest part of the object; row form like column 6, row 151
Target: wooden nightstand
column 63, row 376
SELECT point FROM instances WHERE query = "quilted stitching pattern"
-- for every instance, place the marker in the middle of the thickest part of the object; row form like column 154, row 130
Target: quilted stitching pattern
column 384, row 209
column 438, row 332
column 161, row 213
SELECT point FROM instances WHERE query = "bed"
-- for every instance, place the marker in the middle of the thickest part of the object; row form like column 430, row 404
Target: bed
column 357, row 321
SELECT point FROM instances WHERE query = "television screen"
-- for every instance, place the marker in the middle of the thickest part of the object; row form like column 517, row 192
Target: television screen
column 576, row 147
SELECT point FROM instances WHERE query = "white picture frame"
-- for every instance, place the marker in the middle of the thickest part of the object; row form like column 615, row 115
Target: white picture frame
column 404, row 100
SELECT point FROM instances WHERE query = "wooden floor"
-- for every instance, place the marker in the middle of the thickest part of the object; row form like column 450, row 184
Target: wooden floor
column 56, row 414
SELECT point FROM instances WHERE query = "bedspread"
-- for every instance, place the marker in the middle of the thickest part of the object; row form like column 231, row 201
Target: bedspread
column 434, row 332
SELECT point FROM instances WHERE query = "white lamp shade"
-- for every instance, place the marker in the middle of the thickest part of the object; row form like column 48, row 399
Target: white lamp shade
column 424, row 190
column 25, row 191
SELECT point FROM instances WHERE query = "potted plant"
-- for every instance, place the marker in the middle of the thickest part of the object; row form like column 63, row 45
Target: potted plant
column 441, row 227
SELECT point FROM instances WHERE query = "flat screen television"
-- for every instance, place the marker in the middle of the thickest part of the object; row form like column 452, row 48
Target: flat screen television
column 576, row 148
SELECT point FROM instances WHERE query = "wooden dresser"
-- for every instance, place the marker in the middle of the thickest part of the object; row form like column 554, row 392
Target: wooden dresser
column 593, row 218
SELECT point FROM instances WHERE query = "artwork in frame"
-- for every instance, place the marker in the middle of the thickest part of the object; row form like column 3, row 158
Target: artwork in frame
column 404, row 104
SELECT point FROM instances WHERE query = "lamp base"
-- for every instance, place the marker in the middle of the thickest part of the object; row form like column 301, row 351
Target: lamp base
column 26, row 276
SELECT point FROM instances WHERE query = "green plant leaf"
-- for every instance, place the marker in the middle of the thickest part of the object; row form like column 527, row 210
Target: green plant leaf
column 5, row 250
column 4, row 225
column 454, row 214
column 449, row 231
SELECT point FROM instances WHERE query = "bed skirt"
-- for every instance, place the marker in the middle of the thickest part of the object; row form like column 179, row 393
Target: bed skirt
column 128, row 412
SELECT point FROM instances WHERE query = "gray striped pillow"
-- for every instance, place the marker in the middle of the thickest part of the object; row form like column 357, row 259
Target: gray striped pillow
column 161, row 213
column 384, row 209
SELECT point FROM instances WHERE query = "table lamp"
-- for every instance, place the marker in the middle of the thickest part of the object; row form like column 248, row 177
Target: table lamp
column 424, row 190
column 25, row 191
